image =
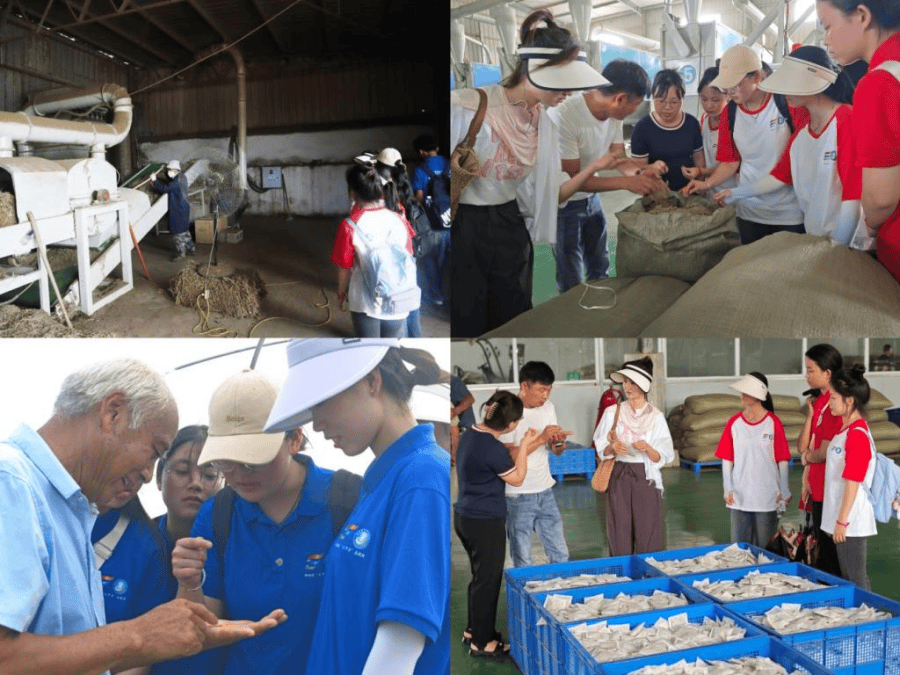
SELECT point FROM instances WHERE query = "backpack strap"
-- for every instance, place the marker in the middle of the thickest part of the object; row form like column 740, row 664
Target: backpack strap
column 784, row 110
column 223, row 505
column 344, row 494
column 732, row 114
column 103, row 549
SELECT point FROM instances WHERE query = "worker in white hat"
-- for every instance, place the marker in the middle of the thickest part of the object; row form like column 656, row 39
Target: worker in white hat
column 755, row 455
column 387, row 581
column 516, row 143
column 754, row 130
column 635, row 434
column 175, row 186
column 262, row 541
column 818, row 161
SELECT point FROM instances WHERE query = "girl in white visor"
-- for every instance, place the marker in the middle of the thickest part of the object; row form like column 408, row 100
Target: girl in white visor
column 755, row 455
column 818, row 160
column 517, row 141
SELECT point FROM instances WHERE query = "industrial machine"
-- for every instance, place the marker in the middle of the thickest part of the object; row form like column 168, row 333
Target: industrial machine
column 74, row 202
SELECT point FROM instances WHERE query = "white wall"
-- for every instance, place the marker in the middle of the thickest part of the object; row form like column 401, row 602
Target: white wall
column 313, row 163
column 576, row 404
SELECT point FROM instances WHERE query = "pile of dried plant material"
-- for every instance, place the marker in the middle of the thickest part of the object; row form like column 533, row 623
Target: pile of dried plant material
column 237, row 295
column 664, row 201
column 7, row 209
column 16, row 322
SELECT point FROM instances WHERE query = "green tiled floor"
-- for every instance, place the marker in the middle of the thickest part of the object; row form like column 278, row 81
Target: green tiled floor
column 695, row 515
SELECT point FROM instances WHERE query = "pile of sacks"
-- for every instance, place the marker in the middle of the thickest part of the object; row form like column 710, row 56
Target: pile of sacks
column 698, row 423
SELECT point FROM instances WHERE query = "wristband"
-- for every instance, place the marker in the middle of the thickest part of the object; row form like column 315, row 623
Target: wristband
column 202, row 581
column 847, row 524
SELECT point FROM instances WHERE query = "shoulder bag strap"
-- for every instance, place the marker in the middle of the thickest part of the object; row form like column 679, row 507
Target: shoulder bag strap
column 477, row 121
column 104, row 548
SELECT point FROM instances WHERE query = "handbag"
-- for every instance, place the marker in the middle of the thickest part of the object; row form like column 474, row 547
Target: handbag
column 600, row 479
column 464, row 164
column 785, row 543
column 808, row 547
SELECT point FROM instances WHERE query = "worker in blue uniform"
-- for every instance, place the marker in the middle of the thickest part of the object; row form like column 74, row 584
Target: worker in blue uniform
column 176, row 187
column 385, row 604
column 261, row 542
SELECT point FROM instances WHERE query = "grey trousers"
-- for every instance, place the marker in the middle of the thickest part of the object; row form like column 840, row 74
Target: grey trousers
column 753, row 527
column 852, row 559
column 633, row 511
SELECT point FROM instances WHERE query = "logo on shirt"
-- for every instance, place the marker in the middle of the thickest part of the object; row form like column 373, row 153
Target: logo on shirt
column 115, row 588
column 314, row 562
column 362, row 539
column 768, row 437
column 831, row 155
column 836, row 449
column 120, row 586
column 354, row 539
column 777, row 121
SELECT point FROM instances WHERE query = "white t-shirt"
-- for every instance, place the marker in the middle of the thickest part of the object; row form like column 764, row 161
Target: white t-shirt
column 658, row 437
column 538, row 477
column 379, row 225
column 760, row 138
column 755, row 448
column 710, row 145
column 856, row 445
column 582, row 136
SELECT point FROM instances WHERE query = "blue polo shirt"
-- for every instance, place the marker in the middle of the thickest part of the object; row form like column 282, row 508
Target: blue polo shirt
column 267, row 566
column 48, row 582
column 391, row 562
column 210, row 662
column 135, row 578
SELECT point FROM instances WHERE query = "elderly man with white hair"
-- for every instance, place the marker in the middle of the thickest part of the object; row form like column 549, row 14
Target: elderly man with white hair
column 110, row 423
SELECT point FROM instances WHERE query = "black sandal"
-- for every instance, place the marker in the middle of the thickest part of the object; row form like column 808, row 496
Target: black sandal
column 500, row 653
column 467, row 638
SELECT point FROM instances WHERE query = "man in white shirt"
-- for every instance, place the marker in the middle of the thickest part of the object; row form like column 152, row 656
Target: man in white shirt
column 532, row 506
column 590, row 126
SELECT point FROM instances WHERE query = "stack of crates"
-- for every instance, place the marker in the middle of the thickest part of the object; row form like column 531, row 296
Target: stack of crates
column 574, row 460
column 541, row 645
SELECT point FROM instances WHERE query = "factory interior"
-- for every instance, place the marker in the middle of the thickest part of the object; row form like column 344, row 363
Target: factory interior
column 263, row 104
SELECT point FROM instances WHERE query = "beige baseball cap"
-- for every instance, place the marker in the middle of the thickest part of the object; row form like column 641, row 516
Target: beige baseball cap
column 734, row 65
column 752, row 387
column 799, row 77
column 390, row 157
column 238, row 411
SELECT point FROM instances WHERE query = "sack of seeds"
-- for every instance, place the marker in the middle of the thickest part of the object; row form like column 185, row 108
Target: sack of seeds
column 682, row 238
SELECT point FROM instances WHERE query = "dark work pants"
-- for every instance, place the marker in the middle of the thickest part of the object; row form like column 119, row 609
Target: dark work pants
column 485, row 541
column 828, row 558
column 493, row 266
column 852, row 558
column 633, row 511
column 751, row 231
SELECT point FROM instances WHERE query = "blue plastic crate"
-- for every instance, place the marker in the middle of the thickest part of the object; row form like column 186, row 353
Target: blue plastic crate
column 549, row 635
column 893, row 415
column 794, row 569
column 682, row 553
column 847, row 647
column 575, row 459
column 578, row 661
column 769, row 647
column 521, row 634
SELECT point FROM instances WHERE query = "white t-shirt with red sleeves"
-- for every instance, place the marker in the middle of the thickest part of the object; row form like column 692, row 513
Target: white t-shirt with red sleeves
column 850, row 457
column 538, row 477
column 710, row 146
column 755, row 448
column 759, row 141
column 822, row 170
column 581, row 135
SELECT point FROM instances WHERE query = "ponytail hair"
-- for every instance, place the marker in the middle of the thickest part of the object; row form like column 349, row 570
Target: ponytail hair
column 552, row 36
column 364, row 181
column 768, row 404
column 502, row 409
column 398, row 380
column 850, row 383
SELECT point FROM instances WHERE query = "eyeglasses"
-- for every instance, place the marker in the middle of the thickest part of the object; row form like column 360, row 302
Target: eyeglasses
column 227, row 466
column 209, row 476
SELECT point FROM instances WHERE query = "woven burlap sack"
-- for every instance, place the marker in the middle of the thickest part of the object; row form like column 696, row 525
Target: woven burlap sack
column 714, row 419
column 873, row 416
column 888, row 447
column 676, row 413
column 791, row 417
column 786, row 403
column 673, row 244
column 700, row 453
column 878, row 401
column 883, row 431
column 789, row 285
column 703, row 437
column 704, row 403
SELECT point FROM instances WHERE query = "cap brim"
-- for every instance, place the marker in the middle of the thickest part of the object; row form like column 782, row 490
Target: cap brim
column 311, row 381
column 431, row 403
column 798, row 78
column 642, row 382
column 566, row 77
column 751, row 389
column 727, row 79
column 245, row 448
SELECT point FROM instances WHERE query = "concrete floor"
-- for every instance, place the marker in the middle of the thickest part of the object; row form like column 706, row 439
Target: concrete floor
column 292, row 255
column 694, row 515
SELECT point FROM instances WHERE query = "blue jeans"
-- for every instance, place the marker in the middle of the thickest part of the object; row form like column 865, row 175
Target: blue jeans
column 580, row 243
column 433, row 266
column 413, row 327
column 367, row 326
column 539, row 513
